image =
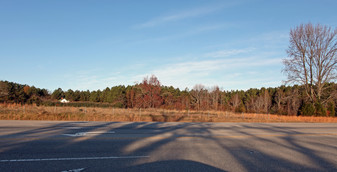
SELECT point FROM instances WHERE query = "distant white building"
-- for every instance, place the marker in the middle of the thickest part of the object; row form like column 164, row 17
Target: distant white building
column 64, row 100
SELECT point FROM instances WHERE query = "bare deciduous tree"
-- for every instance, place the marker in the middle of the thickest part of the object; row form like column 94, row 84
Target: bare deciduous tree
column 278, row 99
column 266, row 101
column 215, row 94
column 151, row 92
column 235, row 101
column 197, row 95
column 259, row 104
column 312, row 58
column 293, row 102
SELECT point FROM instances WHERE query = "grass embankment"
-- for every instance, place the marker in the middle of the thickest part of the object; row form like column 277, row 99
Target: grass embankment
column 31, row 112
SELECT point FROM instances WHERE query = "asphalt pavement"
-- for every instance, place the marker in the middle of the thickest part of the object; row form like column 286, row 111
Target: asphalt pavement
column 155, row 146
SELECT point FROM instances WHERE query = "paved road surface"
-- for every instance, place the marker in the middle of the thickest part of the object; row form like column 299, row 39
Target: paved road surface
column 145, row 146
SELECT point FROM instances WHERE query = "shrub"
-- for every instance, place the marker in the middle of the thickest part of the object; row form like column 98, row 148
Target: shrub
column 320, row 109
column 331, row 109
column 308, row 109
column 241, row 108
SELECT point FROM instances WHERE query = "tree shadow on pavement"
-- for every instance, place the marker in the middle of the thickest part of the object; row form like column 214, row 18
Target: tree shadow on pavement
column 173, row 165
column 174, row 147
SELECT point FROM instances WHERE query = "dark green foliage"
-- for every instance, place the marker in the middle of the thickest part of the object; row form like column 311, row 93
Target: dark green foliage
column 320, row 109
column 70, row 95
column 308, row 109
column 16, row 93
column 57, row 94
column 331, row 108
column 95, row 96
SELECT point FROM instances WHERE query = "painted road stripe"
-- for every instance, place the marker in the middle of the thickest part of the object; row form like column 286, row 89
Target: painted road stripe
column 76, row 134
column 100, row 132
column 86, row 133
column 75, row 128
column 72, row 159
column 74, row 170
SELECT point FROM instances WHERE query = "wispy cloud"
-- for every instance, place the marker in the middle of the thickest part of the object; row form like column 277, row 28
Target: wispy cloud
column 230, row 68
column 228, row 53
column 192, row 32
column 226, row 72
column 274, row 39
column 208, row 66
column 187, row 74
column 93, row 80
column 178, row 16
column 190, row 13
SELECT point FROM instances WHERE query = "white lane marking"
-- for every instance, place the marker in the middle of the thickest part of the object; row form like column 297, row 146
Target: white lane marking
column 73, row 128
column 76, row 134
column 86, row 133
column 72, row 159
column 101, row 132
column 74, row 170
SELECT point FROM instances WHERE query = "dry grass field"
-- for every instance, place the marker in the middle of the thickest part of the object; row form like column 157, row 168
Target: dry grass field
column 32, row 112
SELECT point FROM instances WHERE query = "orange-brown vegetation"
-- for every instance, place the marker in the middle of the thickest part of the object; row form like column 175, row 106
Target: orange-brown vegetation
column 33, row 112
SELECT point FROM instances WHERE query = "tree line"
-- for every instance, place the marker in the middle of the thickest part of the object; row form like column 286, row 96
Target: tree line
column 283, row 100
column 311, row 66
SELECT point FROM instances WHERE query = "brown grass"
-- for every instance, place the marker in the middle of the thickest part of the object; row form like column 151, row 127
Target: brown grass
column 32, row 112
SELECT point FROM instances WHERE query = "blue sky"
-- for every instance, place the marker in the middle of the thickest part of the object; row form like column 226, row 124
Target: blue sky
column 97, row 44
